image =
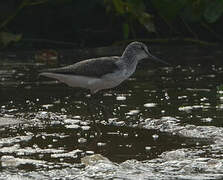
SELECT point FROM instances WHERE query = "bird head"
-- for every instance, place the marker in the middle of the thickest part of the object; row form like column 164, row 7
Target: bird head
column 141, row 51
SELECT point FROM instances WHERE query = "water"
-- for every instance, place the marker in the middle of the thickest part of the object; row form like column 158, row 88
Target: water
column 159, row 116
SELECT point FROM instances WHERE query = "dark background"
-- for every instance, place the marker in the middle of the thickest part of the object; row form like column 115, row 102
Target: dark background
column 90, row 23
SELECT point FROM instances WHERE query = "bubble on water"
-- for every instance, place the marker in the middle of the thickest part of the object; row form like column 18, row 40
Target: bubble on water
column 182, row 97
column 89, row 152
column 88, row 96
column 47, row 106
column 85, row 128
column 205, row 105
column 107, row 94
column 119, row 123
column 128, row 145
column 189, row 108
column 197, row 90
column 41, row 155
column 148, row 148
column 82, row 140
column 155, row 136
column 208, row 119
column 55, row 122
column 111, row 120
column 12, row 110
column 149, row 105
column 120, row 98
column 100, row 144
column 92, row 136
column 197, row 106
column 167, row 96
column 122, row 105
column 204, row 99
column 57, row 101
column 63, row 110
column 185, row 108
column 133, row 112
column 72, row 126
column 84, row 123
column 42, row 115
column 220, row 92
column 219, row 106
column 50, row 145
column 20, row 153
column 77, row 117
column 72, row 154
column 72, row 121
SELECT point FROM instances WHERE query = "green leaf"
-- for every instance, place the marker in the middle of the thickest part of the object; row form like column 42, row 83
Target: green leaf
column 213, row 11
column 138, row 12
column 6, row 38
column 119, row 6
column 137, row 5
column 169, row 9
column 194, row 9
column 125, row 28
column 146, row 20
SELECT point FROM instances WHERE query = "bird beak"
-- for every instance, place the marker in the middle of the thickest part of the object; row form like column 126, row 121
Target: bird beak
column 157, row 59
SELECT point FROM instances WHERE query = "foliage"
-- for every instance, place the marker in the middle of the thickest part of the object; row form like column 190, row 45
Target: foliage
column 167, row 9
column 213, row 11
column 201, row 12
column 171, row 11
column 130, row 11
column 136, row 18
column 6, row 38
column 192, row 10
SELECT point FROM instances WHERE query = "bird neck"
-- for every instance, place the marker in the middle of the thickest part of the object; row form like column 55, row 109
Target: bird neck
column 130, row 59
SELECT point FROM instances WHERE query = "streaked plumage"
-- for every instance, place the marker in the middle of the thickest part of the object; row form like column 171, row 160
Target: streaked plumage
column 101, row 73
column 89, row 67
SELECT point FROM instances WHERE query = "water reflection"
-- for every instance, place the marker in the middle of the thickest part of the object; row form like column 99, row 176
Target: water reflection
column 179, row 91
column 57, row 121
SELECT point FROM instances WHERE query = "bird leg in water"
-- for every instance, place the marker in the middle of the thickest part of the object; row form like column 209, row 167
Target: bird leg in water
column 96, row 107
column 92, row 105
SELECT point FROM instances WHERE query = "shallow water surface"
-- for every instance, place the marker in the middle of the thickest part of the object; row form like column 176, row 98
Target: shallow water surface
column 53, row 126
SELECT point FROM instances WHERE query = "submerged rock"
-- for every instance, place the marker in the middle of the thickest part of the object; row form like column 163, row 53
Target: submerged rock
column 5, row 121
column 178, row 165
column 93, row 159
column 11, row 161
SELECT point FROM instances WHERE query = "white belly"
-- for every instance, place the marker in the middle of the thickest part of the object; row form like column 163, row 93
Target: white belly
column 94, row 84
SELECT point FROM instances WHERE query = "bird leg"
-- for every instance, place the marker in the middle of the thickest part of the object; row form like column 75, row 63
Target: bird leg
column 91, row 104
column 95, row 103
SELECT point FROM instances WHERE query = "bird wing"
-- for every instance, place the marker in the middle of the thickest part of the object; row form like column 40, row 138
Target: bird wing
column 92, row 67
